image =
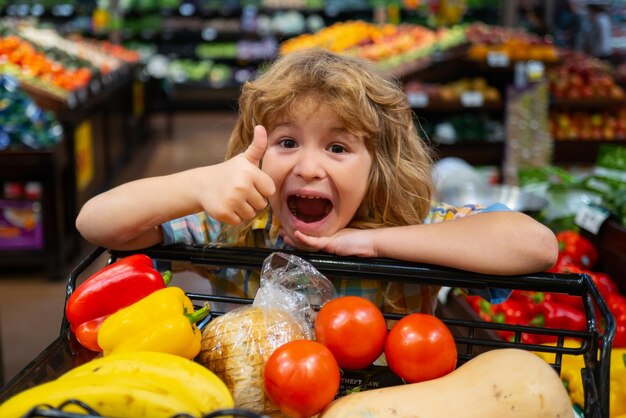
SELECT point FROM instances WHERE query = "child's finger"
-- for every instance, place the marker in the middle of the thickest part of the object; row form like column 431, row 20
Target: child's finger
column 265, row 185
column 257, row 201
column 246, row 212
column 230, row 218
column 254, row 152
column 312, row 243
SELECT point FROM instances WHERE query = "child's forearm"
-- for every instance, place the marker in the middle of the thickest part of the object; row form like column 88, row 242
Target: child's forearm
column 128, row 216
column 503, row 243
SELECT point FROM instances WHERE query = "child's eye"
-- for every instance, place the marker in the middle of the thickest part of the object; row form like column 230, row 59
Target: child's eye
column 337, row 149
column 288, row 143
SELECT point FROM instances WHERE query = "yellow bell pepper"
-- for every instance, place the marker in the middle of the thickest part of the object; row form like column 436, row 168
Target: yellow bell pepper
column 571, row 375
column 163, row 321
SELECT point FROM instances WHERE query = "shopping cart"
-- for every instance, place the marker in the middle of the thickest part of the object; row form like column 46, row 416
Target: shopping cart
column 470, row 334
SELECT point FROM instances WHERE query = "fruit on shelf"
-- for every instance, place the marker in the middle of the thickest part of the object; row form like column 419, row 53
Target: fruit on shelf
column 76, row 48
column 389, row 45
column 451, row 93
column 24, row 124
column 514, row 43
column 31, row 63
column 339, row 36
column 582, row 77
column 586, row 126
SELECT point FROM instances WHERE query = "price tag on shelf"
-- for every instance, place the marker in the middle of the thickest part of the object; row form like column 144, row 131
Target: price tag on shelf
column 417, row 98
column 209, row 33
column 95, row 85
column 108, row 78
column 187, row 9
column 534, row 70
column 37, row 10
column 472, row 99
column 497, row 59
column 71, row 100
column 591, row 218
column 82, row 94
column 62, row 10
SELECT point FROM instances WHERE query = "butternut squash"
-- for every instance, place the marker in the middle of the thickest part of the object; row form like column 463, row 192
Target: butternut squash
column 502, row 383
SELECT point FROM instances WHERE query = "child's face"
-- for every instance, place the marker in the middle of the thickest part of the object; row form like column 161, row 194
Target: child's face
column 319, row 169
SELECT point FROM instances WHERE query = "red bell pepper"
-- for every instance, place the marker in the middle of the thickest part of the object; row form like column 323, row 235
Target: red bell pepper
column 87, row 333
column 617, row 306
column 532, row 299
column 482, row 307
column 562, row 316
column 604, row 283
column 515, row 311
column 571, row 300
column 110, row 289
column 562, row 262
column 580, row 249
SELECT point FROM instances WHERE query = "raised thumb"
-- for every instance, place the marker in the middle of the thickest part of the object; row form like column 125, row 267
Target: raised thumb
column 255, row 151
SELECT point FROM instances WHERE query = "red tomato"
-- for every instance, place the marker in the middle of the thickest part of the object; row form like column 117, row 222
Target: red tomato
column 420, row 347
column 301, row 377
column 353, row 329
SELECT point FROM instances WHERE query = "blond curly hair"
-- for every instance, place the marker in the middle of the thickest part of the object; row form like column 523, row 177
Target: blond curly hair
column 371, row 104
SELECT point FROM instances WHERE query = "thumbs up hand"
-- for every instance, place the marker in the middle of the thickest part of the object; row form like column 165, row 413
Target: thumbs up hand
column 242, row 189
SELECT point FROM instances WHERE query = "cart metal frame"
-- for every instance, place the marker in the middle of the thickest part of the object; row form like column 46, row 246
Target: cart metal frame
column 595, row 342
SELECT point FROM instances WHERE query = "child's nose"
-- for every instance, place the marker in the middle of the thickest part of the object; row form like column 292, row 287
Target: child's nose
column 309, row 166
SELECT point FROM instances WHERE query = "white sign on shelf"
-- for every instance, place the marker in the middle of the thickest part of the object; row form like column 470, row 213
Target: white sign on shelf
column 418, row 99
column 71, row 100
column 472, row 99
column 497, row 59
column 591, row 218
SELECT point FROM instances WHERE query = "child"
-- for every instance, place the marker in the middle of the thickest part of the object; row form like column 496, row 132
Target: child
column 325, row 156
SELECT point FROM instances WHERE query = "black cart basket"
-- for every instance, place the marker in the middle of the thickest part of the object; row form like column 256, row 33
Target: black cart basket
column 471, row 334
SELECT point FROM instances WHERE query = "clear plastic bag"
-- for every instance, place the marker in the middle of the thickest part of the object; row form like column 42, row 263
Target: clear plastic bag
column 236, row 345
column 290, row 283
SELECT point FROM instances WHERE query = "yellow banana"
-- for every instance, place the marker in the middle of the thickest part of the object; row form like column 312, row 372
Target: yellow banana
column 112, row 396
column 199, row 384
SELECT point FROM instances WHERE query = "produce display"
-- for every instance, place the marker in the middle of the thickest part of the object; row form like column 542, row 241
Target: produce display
column 388, row 45
column 24, row 124
column 568, row 193
column 464, row 128
column 500, row 46
column 466, row 92
column 30, row 65
column 59, row 67
column 583, row 77
column 609, row 125
column 104, row 62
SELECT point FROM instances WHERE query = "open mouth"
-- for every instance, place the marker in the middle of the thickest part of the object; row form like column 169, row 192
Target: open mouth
column 309, row 208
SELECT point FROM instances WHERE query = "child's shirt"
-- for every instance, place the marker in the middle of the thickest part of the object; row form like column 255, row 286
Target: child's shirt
column 397, row 297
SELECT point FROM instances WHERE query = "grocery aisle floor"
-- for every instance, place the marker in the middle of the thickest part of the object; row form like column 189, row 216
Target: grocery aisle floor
column 31, row 306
